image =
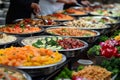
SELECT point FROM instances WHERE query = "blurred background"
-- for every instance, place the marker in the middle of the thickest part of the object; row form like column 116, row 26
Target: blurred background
column 4, row 4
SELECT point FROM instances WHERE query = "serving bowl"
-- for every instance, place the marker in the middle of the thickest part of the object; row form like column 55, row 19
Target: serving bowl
column 12, row 70
column 69, row 52
column 37, row 22
column 14, row 30
column 34, row 61
column 6, row 40
column 86, row 37
column 35, row 71
column 92, row 23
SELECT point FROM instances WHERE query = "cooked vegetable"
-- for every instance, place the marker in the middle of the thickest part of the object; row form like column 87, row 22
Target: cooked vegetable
column 71, row 32
column 58, row 16
column 58, row 43
column 28, row 56
column 19, row 29
column 112, row 65
column 103, row 20
column 48, row 42
column 81, row 23
column 37, row 22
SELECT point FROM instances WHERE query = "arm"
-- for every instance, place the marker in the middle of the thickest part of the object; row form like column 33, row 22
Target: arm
column 28, row 4
column 25, row 3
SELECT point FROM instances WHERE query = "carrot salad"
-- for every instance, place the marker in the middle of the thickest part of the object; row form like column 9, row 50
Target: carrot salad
column 28, row 56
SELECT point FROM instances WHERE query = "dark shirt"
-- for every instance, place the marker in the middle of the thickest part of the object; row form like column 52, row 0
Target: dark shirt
column 19, row 9
column 66, row 6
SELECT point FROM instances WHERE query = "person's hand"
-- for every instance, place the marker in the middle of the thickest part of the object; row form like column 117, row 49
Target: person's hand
column 85, row 2
column 35, row 7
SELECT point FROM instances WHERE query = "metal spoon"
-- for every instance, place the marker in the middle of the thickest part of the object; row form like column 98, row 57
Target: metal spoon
column 40, row 16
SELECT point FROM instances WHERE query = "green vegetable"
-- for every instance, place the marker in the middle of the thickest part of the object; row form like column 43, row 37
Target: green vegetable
column 22, row 26
column 103, row 38
column 116, row 33
column 112, row 65
column 48, row 42
column 35, row 45
column 80, row 67
column 64, row 74
column 95, row 50
column 118, row 47
column 39, row 42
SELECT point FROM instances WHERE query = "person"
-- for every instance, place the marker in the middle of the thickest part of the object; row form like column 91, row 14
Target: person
column 21, row 9
column 83, row 2
column 51, row 6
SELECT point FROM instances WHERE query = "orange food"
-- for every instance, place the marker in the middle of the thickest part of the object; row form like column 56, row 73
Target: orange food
column 28, row 56
column 18, row 29
column 58, row 16
column 75, row 11
column 71, row 32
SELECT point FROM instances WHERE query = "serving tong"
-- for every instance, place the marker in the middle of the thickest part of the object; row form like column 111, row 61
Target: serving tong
column 41, row 17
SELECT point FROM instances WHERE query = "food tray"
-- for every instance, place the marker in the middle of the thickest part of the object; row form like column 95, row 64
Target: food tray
column 25, row 75
column 89, row 39
column 41, row 70
column 66, row 52
column 9, row 43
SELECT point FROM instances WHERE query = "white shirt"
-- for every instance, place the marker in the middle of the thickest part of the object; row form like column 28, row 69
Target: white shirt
column 50, row 6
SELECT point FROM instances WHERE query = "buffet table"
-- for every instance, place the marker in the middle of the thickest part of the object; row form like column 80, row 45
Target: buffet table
column 66, row 37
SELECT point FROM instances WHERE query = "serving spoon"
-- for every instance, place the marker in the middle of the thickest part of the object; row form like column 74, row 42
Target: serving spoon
column 41, row 17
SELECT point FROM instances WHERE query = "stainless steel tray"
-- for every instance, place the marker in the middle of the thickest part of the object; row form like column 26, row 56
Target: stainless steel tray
column 41, row 70
column 25, row 75
column 66, row 52
column 89, row 39
column 25, row 34
column 11, row 42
